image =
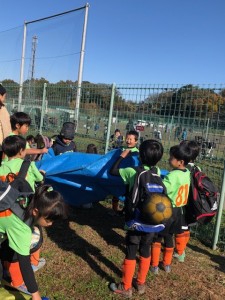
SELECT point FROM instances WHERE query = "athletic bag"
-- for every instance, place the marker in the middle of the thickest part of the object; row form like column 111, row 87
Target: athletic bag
column 146, row 183
column 18, row 181
column 15, row 191
column 203, row 198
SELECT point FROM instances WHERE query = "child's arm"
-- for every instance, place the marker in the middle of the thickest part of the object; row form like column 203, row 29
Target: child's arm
column 33, row 151
column 115, row 168
column 28, row 276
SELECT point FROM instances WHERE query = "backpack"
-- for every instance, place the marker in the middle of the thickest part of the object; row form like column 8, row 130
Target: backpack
column 146, row 182
column 15, row 192
column 20, row 184
column 203, row 198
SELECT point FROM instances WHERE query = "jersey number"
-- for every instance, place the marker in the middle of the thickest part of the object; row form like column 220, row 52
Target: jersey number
column 182, row 196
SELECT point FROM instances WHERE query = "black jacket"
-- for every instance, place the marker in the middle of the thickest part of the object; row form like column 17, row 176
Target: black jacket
column 59, row 147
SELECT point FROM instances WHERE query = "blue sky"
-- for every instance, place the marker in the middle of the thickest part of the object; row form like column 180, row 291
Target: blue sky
column 128, row 41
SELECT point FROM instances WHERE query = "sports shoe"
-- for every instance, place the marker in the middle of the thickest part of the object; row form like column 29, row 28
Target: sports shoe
column 22, row 288
column 139, row 287
column 154, row 270
column 167, row 268
column 119, row 289
column 181, row 257
column 41, row 264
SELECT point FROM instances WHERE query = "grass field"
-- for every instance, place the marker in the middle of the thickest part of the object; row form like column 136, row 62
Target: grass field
column 85, row 253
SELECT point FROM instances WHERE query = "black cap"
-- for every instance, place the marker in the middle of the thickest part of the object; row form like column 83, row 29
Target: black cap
column 68, row 130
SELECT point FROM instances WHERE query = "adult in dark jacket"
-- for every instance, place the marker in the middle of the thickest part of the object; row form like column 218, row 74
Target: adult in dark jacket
column 64, row 141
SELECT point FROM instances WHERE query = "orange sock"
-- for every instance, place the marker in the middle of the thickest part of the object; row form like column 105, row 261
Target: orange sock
column 180, row 243
column 156, row 250
column 35, row 257
column 15, row 273
column 167, row 256
column 144, row 265
column 128, row 273
column 187, row 237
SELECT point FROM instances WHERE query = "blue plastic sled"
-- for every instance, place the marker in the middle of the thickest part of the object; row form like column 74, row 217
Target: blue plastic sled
column 84, row 178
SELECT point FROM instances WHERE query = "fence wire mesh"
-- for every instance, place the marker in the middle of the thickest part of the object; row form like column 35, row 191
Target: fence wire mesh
column 169, row 113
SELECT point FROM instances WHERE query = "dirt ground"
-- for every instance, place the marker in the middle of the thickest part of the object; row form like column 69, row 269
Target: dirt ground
column 85, row 253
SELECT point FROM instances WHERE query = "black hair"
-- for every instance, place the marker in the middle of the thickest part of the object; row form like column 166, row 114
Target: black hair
column 49, row 204
column 117, row 130
column 91, row 148
column 194, row 146
column 181, row 152
column 2, row 93
column 2, row 90
column 30, row 138
column 150, row 152
column 20, row 118
column 133, row 132
column 12, row 145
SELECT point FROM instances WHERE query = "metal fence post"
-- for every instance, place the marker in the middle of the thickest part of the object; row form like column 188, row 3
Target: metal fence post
column 220, row 211
column 110, row 118
column 43, row 108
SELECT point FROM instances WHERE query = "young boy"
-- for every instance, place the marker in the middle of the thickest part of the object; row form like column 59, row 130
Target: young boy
column 20, row 123
column 150, row 152
column 117, row 139
column 14, row 146
column 131, row 142
column 177, row 183
column 64, row 141
column 181, row 240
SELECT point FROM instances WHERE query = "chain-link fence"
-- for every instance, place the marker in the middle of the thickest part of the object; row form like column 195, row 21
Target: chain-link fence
column 168, row 113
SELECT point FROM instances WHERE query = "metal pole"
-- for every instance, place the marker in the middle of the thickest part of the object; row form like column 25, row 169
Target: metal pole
column 22, row 66
column 170, row 127
column 80, row 71
column 110, row 118
column 43, row 108
column 207, row 130
column 220, row 211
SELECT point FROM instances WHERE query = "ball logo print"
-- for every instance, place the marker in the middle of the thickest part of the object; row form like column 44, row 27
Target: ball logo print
column 156, row 209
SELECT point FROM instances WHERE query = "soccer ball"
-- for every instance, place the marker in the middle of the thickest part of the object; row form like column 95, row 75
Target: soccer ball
column 36, row 235
column 156, row 209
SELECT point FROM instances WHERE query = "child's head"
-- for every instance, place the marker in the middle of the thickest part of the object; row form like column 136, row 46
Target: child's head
column 14, row 145
column 46, row 206
column 180, row 156
column 194, row 146
column 30, row 139
column 2, row 95
column 20, row 122
column 67, row 132
column 131, row 138
column 117, row 133
column 91, row 148
column 150, row 152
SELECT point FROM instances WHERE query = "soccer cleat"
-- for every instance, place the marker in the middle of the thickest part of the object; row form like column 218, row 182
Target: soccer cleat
column 41, row 264
column 181, row 257
column 139, row 287
column 167, row 268
column 119, row 289
column 154, row 270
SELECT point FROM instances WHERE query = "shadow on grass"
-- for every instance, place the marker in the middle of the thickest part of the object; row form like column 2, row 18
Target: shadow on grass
column 99, row 220
column 219, row 259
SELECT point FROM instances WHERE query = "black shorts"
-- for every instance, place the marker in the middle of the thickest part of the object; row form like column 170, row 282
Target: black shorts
column 139, row 237
column 175, row 224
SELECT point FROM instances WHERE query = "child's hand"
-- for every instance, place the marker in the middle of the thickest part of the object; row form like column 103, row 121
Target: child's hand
column 44, row 150
column 125, row 153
